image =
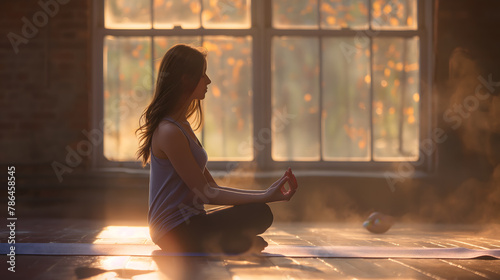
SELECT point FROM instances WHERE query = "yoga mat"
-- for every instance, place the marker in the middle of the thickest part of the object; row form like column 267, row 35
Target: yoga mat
column 85, row 249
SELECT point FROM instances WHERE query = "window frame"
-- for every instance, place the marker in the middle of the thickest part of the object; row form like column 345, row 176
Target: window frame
column 262, row 33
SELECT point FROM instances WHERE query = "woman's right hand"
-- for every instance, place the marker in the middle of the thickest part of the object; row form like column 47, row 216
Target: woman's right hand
column 278, row 191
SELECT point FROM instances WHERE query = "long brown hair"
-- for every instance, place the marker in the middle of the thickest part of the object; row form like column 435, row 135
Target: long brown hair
column 180, row 71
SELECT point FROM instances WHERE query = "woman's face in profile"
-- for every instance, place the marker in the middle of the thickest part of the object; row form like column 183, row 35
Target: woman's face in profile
column 202, row 87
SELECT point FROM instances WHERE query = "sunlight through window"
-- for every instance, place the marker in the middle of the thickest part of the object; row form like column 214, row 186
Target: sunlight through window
column 326, row 81
column 123, row 235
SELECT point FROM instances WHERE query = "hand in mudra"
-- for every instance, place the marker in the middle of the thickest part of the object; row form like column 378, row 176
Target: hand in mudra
column 279, row 192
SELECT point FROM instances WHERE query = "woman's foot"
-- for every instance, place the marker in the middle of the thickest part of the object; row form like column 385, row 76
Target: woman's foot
column 258, row 245
column 250, row 246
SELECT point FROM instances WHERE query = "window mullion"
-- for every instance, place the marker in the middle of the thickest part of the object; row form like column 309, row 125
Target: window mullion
column 320, row 88
column 202, row 38
column 262, row 106
column 320, row 104
column 201, row 13
column 370, row 30
column 427, row 119
column 152, row 63
column 97, row 104
column 151, row 5
column 152, row 12
column 403, row 99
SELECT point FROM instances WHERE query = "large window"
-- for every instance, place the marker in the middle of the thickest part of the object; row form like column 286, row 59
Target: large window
column 303, row 82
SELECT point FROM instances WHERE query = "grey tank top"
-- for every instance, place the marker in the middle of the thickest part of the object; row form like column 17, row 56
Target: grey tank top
column 171, row 201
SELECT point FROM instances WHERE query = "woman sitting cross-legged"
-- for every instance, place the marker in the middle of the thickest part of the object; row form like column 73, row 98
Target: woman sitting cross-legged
column 180, row 184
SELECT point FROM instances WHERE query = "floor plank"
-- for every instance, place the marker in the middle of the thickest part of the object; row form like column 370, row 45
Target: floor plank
column 442, row 269
column 253, row 267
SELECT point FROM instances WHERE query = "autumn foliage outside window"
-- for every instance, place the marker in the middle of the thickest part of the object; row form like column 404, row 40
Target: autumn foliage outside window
column 347, row 73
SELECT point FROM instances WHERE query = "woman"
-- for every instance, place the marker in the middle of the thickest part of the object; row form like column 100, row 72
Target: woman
column 180, row 183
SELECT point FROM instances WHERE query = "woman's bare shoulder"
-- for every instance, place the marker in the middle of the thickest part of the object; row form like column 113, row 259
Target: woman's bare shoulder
column 168, row 131
column 170, row 141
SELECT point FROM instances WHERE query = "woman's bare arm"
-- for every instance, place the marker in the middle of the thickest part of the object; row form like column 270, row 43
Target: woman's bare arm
column 175, row 145
column 212, row 182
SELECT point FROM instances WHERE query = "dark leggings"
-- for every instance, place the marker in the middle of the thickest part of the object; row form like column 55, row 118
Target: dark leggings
column 231, row 229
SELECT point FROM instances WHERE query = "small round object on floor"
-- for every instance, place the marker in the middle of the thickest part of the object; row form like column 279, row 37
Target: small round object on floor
column 378, row 222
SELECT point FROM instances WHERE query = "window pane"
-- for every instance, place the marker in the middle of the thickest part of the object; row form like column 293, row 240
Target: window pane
column 346, row 99
column 394, row 14
column 344, row 14
column 396, row 98
column 128, row 14
column 295, row 98
column 295, row 14
column 127, row 91
column 171, row 13
column 226, row 14
column 228, row 106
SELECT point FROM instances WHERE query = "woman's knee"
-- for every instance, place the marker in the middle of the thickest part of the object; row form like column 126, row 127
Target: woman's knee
column 264, row 216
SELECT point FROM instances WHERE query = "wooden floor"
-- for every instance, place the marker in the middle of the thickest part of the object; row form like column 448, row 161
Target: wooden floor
column 162, row 267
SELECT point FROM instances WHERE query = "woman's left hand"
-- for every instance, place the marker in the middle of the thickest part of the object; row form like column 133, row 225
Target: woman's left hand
column 278, row 190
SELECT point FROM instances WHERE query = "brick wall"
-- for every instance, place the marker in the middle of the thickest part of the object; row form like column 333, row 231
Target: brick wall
column 44, row 106
column 44, row 76
column 45, row 66
column 44, row 103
